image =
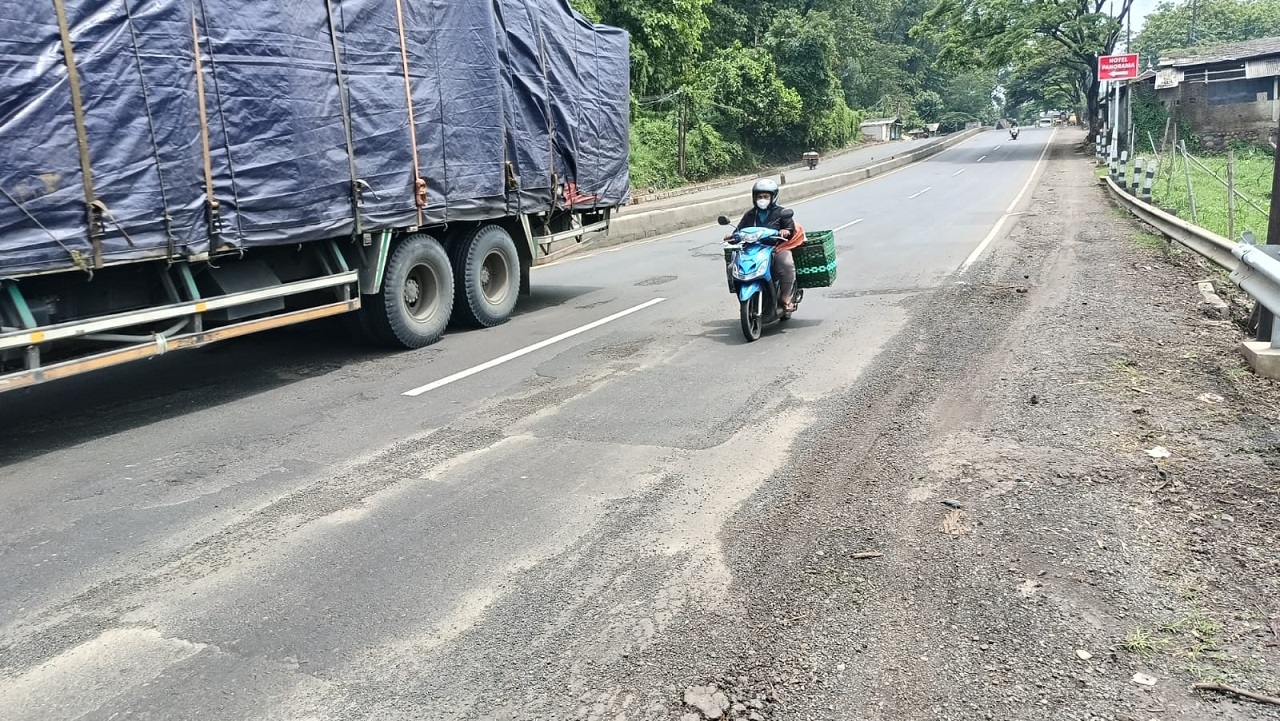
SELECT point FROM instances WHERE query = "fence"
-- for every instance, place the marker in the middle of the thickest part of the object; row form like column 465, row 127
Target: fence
column 1223, row 194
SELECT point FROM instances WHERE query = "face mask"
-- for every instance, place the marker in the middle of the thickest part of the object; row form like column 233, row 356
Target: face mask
column 762, row 204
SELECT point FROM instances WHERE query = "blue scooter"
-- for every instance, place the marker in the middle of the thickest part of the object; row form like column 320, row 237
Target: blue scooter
column 750, row 270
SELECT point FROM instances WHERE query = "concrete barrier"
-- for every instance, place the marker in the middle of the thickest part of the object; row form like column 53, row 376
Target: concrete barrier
column 638, row 200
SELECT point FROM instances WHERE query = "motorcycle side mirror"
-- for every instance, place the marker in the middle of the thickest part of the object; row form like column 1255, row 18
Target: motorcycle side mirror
column 787, row 214
column 722, row 220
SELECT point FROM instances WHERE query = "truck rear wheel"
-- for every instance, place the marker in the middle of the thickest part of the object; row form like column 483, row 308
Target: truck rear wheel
column 416, row 301
column 487, row 279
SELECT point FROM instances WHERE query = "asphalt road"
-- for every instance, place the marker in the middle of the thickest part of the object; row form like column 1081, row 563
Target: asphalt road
column 272, row 529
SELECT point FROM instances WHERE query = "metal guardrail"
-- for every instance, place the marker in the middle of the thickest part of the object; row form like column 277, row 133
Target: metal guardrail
column 1208, row 244
column 1259, row 275
column 1254, row 268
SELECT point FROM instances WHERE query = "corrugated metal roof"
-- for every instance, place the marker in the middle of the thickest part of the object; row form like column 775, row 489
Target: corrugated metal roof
column 1221, row 53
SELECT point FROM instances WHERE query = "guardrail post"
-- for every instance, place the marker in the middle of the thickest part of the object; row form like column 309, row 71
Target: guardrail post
column 1258, row 274
column 1123, row 171
column 1138, row 175
column 1273, row 238
column 1150, row 180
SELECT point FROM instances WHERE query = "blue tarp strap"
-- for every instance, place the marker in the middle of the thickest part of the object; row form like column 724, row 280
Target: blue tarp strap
column 344, row 99
column 212, row 206
column 82, row 137
column 419, row 185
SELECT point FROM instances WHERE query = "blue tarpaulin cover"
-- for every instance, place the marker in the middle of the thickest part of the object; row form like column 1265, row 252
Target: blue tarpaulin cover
column 303, row 101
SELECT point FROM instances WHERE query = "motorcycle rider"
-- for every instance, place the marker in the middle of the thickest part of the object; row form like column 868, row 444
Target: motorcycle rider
column 766, row 214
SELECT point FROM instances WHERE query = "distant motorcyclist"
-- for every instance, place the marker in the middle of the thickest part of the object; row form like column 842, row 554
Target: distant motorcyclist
column 767, row 214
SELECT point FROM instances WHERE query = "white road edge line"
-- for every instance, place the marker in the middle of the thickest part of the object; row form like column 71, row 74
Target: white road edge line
column 1008, row 213
column 917, row 195
column 847, row 225
column 528, row 349
column 958, row 172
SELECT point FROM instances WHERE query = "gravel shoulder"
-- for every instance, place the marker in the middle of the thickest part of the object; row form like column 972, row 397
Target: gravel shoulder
column 1032, row 558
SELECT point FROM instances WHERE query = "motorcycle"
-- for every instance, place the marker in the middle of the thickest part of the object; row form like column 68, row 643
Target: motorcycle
column 750, row 271
column 1013, row 133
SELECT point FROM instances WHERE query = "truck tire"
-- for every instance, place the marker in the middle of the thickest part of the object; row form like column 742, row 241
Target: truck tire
column 487, row 277
column 416, row 300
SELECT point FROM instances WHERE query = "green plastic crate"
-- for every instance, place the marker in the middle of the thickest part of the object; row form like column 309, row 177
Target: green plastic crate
column 816, row 260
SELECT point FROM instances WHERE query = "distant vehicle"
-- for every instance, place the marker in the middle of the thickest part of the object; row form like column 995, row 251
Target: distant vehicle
column 1046, row 122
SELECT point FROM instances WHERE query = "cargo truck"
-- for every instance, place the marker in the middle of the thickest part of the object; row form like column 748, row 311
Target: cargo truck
column 175, row 173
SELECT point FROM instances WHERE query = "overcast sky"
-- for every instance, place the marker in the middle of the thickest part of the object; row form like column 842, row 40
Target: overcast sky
column 1140, row 10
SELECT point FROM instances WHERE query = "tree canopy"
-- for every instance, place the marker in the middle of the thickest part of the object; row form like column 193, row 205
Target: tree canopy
column 1048, row 49
column 1179, row 25
column 761, row 81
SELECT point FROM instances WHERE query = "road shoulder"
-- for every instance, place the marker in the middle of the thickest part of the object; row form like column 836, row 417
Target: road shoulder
column 988, row 525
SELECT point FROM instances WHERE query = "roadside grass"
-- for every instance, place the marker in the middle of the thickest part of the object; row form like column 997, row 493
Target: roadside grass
column 1193, row 641
column 1143, row 642
column 1150, row 241
column 1254, row 168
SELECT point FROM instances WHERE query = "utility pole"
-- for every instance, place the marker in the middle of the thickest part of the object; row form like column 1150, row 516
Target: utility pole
column 1191, row 31
column 1128, row 89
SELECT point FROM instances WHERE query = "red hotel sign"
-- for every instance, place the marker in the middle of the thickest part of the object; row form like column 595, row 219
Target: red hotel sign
column 1118, row 67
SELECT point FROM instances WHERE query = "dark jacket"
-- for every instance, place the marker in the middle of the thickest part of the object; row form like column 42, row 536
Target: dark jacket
column 756, row 218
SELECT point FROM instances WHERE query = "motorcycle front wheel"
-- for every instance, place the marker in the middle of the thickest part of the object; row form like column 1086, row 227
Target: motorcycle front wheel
column 749, row 311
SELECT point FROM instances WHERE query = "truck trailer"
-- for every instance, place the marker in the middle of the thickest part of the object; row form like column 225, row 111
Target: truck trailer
column 178, row 172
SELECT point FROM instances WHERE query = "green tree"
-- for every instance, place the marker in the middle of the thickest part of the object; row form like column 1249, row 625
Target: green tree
column 666, row 37
column 972, row 93
column 1170, row 26
column 994, row 33
column 740, row 87
column 929, row 106
column 1038, row 81
column 752, row 80
column 805, row 50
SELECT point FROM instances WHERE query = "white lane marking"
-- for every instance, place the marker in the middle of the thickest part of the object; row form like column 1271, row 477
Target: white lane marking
column 1008, row 213
column 958, row 172
column 847, row 225
column 528, row 349
column 982, row 159
column 998, row 147
column 917, row 195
